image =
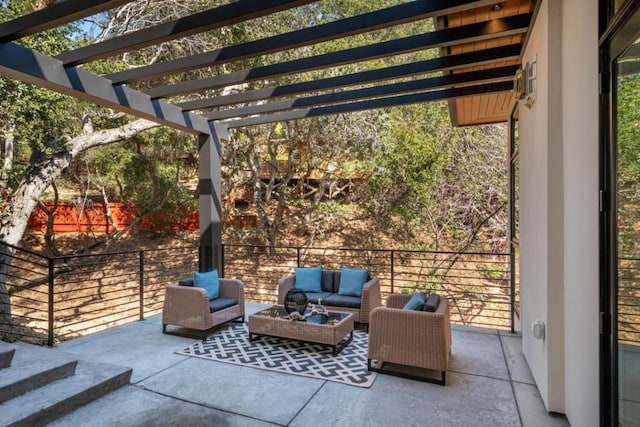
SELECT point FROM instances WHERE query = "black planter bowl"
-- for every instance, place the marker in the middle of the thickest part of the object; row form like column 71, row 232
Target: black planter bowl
column 296, row 300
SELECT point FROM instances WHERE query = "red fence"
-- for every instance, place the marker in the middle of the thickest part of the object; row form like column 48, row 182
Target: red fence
column 69, row 217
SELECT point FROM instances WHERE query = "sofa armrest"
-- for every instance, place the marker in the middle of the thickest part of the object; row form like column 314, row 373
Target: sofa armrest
column 285, row 284
column 370, row 298
column 186, row 306
column 409, row 337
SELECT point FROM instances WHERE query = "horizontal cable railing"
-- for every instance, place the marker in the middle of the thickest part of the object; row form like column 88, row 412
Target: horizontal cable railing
column 477, row 284
column 24, row 296
column 628, row 301
column 58, row 298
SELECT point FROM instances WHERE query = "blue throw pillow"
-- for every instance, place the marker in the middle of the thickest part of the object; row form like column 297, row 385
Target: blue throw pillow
column 351, row 281
column 309, row 279
column 209, row 281
column 416, row 302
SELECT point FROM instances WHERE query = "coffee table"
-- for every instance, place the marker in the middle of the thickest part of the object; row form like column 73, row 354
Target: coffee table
column 335, row 330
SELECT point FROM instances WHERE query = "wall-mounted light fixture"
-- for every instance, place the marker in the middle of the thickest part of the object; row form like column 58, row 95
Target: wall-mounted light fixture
column 496, row 7
column 520, row 83
column 525, row 82
column 532, row 83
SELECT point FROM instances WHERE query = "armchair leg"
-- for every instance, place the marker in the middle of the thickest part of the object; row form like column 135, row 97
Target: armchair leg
column 441, row 381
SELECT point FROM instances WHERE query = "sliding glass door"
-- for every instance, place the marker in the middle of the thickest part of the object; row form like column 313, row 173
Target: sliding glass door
column 628, row 233
column 621, row 313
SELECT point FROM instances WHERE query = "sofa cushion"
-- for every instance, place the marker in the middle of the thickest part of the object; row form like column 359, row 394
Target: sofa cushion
column 185, row 282
column 327, row 281
column 313, row 297
column 352, row 280
column 221, row 303
column 338, row 300
column 209, row 281
column 431, row 304
column 309, row 279
column 416, row 302
column 336, row 281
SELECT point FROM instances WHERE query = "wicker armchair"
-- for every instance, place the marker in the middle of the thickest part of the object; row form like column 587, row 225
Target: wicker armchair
column 410, row 338
column 188, row 307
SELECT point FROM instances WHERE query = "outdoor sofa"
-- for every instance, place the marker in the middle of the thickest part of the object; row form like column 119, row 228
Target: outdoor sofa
column 329, row 292
column 194, row 313
column 411, row 336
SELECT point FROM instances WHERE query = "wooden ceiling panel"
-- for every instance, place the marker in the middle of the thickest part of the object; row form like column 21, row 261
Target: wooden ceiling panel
column 490, row 108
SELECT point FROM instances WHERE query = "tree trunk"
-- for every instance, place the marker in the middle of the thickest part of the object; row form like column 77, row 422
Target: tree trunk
column 9, row 138
column 49, row 235
column 36, row 179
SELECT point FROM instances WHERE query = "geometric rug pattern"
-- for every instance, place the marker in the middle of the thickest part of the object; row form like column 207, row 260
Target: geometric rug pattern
column 232, row 345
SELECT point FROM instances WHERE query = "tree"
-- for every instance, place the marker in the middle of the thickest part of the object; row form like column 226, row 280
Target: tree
column 36, row 126
column 44, row 132
column 450, row 181
column 37, row 177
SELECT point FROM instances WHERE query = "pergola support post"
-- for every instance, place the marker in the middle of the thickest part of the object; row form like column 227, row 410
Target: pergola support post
column 210, row 198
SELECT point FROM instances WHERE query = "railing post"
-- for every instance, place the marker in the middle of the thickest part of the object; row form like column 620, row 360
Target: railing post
column 222, row 261
column 512, row 287
column 141, row 298
column 392, row 269
column 298, row 256
column 50, row 337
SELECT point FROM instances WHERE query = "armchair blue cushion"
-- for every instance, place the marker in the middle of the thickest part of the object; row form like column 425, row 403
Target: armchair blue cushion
column 209, row 281
column 416, row 302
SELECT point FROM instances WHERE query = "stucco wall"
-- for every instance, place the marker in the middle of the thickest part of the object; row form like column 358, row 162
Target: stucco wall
column 538, row 213
column 580, row 142
column 559, row 210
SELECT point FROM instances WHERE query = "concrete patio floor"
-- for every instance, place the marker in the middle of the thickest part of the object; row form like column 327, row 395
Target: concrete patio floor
column 488, row 384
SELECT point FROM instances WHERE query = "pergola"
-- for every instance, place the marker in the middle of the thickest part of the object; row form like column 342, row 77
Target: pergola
column 480, row 44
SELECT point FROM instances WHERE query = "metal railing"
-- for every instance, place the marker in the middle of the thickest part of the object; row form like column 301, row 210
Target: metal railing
column 478, row 285
column 628, row 301
column 58, row 298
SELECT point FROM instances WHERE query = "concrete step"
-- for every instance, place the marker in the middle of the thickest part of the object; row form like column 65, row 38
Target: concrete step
column 33, row 367
column 54, row 399
column 6, row 354
column 39, row 407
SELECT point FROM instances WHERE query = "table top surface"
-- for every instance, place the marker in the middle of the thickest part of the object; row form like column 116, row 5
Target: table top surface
column 278, row 312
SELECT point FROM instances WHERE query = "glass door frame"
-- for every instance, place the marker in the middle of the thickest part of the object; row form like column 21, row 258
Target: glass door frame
column 513, row 221
column 618, row 29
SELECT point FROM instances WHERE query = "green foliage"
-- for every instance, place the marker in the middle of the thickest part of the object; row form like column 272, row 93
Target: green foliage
column 434, row 185
column 628, row 162
column 145, row 171
column 38, row 120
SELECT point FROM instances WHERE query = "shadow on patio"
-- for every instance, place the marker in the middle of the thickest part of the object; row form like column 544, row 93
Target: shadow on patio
column 488, row 384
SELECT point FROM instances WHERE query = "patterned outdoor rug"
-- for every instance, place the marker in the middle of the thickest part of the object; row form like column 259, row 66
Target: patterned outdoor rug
column 232, row 345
